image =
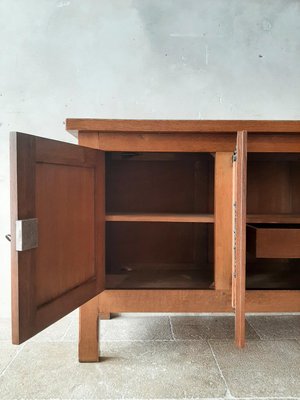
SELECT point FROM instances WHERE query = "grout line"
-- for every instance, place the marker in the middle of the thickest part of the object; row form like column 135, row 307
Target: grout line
column 66, row 331
column 254, row 329
column 21, row 347
column 171, row 327
column 228, row 394
column 187, row 398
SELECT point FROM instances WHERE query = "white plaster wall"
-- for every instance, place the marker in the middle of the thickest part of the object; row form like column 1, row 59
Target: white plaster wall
column 140, row 59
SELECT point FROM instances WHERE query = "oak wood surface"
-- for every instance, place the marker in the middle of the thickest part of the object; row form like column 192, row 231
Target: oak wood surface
column 275, row 241
column 127, row 125
column 195, row 142
column 223, row 220
column 197, row 301
column 240, row 193
column 167, row 142
column 160, row 247
column 64, row 270
column 156, row 183
column 162, row 217
column 274, row 218
column 88, row 345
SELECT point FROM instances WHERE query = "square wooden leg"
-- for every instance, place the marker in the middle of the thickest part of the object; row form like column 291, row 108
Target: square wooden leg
column 88, row 347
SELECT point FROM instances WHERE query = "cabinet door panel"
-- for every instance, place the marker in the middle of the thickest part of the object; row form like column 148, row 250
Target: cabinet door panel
column 62, row 186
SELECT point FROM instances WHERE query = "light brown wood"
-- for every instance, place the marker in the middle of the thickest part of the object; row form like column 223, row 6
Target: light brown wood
column 240, row 241
column 274, row 142
column 117, row 301
column 233, row 233
column 139, row 217
column 273, row 218
column 223, row 220
column 275, row 241
column 267, row 195
column 127, row 125
column 66, row 269
column 168, row 142
column 88, row 346
column 104, row 316
column 158, row 183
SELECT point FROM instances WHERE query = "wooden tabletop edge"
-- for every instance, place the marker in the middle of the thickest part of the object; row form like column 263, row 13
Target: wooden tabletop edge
column 74, row 125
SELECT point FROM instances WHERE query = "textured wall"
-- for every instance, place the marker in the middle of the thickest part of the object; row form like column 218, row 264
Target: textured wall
column 141, row 59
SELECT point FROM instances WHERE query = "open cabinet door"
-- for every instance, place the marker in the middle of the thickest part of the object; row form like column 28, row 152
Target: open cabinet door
column 239, row 236
column 57, row 207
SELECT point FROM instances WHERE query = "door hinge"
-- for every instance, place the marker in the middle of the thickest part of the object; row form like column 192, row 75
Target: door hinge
column 26, row 234
column 234, row 155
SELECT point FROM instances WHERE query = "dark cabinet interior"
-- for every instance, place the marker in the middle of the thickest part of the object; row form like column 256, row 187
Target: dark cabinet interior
column 159, row 187
column 273, row 231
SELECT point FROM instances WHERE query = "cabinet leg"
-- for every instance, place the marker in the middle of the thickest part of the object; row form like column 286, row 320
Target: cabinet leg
column 88, row 348
column 104, row 315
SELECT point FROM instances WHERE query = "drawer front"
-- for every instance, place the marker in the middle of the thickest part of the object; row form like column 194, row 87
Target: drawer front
column 278, row 241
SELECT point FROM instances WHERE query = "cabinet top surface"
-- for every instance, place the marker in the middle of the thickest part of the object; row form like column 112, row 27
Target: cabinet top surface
column 75, row 125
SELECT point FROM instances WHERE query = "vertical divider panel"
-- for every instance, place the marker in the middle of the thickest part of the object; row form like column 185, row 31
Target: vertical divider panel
column 223, row 220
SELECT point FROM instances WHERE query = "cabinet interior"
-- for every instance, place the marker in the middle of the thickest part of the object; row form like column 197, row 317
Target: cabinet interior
column 273, row 201
column 144, row 192
column 160, row 219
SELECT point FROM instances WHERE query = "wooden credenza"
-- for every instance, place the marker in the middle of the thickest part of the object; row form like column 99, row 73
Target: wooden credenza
column 154, row 216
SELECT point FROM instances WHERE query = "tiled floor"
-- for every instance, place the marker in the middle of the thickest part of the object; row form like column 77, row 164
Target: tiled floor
column 157, row 357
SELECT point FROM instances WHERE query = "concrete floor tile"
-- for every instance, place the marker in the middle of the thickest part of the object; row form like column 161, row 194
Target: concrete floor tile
column 265, row 368
column 276, row 326
column 7, row 353
column 207, row 327
column 5, row 329
column 140, row 370
column 128, row 328
column 55, row 332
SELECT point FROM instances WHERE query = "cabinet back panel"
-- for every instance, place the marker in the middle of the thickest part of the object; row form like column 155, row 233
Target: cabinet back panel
column 159, row 182
column 148, row 247
column 273, row 185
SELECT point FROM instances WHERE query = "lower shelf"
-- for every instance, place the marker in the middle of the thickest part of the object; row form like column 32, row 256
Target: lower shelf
column 262, row 274
column 156, row 278
column 273, row 274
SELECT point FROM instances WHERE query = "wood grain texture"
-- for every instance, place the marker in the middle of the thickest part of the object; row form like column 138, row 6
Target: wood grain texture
column 152, row 183
column 88, row 346
column 223, row 220
column 129, row 125
column 22, row 198
column 240, row 231
column 139, row 217
column 274, row 142
column 274, row 242
column 197, row 301
column 104, row 316
column 45, row 286
column 274, row 218
column 270, row 195
column 167, row 142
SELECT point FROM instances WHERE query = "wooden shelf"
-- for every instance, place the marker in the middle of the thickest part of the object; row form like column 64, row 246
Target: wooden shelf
column 162, row 278
column 273, row 218
column 161, row 217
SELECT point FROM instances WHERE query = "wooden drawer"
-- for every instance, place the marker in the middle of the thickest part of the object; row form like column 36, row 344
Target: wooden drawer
column 274, row 240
